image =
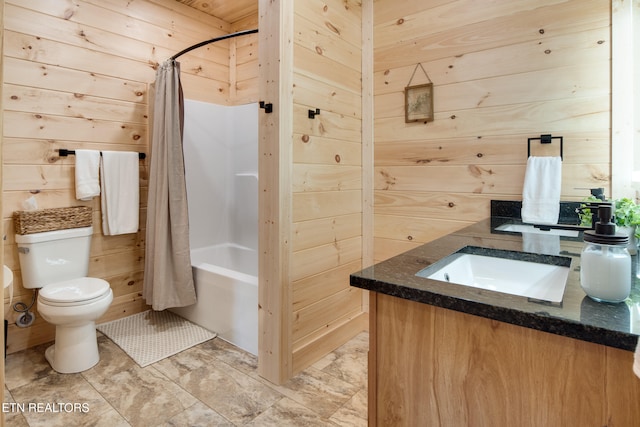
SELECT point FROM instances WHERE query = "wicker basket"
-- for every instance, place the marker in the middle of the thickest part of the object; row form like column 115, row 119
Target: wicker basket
column 28, row 222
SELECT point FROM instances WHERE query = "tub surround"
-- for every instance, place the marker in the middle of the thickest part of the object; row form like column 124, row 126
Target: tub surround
column 577, row 316
column 445, row 354
column 221, row 163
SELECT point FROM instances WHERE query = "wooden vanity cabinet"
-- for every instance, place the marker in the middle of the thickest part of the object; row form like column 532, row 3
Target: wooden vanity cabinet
column 430, row 366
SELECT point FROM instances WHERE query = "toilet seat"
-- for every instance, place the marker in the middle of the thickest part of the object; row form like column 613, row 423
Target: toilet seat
column 80, row 291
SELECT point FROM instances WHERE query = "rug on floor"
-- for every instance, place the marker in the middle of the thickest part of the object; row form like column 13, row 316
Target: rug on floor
column 151, row 336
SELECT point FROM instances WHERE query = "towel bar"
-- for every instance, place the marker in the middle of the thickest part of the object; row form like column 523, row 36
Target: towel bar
column 544, row 139
column 63, row 152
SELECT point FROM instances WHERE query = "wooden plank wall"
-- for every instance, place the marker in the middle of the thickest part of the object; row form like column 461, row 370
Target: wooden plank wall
column 502, row 71
column 76, row 76
column 243, row 65
column 274, row 193
column 326, row 178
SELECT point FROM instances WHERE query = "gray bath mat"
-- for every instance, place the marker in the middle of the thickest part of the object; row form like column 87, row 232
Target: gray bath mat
column 151, row 336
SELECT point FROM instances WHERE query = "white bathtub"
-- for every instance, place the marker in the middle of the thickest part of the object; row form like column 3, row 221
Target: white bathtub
column 226, row 280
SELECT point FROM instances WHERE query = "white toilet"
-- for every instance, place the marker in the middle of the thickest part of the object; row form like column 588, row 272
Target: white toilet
column 58, row 263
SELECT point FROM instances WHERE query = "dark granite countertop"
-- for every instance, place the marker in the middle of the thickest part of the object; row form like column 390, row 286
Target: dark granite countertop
column 577, row 316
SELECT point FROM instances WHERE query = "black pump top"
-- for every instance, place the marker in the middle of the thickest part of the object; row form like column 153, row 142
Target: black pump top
column 605, row 230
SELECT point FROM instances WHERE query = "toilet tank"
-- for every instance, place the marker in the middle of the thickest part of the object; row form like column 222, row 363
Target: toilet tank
column 54, row 256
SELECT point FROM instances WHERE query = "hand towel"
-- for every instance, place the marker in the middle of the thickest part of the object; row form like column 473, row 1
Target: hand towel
column 119, row 181
column 541, row 191
column 87, row 174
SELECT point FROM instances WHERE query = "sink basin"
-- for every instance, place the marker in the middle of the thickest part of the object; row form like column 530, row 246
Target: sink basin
column 542, row 277
column 527, row 228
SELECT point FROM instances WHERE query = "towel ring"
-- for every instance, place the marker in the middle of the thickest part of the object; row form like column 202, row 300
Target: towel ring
column 544, row 139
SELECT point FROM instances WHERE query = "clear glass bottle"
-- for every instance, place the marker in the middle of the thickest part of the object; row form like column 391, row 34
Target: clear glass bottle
column 605, row 262
column 605, row 271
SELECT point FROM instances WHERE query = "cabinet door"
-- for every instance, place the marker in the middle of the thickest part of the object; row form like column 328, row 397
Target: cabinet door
column 438, row 367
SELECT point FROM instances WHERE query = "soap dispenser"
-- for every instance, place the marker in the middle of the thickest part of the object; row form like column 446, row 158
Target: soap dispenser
column 605, row 263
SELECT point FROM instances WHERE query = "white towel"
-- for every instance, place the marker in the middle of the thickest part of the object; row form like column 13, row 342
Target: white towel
column 119, row 180
column 87, row 174
column 541, row 191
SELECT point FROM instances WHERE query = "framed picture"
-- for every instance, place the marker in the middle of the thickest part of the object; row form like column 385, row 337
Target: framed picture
column 418, row 103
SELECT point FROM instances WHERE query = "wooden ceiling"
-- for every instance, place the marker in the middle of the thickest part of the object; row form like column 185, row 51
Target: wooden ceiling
column 230, row 11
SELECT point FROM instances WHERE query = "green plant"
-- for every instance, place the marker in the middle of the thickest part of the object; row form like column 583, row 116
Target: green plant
column 585, row 215
column 627, row 214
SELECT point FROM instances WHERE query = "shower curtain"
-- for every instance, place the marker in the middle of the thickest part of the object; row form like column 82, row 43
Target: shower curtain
column 168, row 278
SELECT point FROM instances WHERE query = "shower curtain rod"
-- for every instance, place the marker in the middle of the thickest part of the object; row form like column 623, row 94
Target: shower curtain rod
column 217, row 39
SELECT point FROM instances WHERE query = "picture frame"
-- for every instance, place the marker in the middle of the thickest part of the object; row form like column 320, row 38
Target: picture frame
column 418, row 103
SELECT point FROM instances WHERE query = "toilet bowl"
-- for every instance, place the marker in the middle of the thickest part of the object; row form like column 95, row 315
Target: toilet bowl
column 73, row 307
column 57, row 263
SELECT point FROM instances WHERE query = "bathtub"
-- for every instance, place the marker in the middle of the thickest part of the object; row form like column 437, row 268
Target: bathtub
column 226, row 281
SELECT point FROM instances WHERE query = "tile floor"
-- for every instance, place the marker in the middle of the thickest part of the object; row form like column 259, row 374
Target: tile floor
column 211, row 384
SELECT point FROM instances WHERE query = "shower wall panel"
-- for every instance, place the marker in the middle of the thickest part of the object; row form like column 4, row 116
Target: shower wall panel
column 221, row 162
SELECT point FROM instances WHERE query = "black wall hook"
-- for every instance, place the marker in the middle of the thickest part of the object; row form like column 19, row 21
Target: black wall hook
column 268, row 108
column 313, row 114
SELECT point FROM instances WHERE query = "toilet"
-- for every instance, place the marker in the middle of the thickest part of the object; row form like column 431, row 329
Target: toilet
column 57, row 263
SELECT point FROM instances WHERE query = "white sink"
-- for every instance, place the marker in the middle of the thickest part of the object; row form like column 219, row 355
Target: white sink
column 530, row 279
column 526, row 228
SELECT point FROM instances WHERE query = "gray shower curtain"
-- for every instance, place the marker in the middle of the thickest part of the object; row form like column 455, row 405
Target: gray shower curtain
column 168, row 278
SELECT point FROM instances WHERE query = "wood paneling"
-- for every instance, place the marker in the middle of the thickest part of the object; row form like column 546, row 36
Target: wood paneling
column 319, row 259
column 274, row 195
column 324, row 204
column 318, row 287
column 502, row 73
column 326, row 180
column 230, row 11
column 457, row 28
column 322, row 231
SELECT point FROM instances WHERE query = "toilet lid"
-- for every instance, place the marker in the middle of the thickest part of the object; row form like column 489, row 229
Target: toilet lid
column 75, row 290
